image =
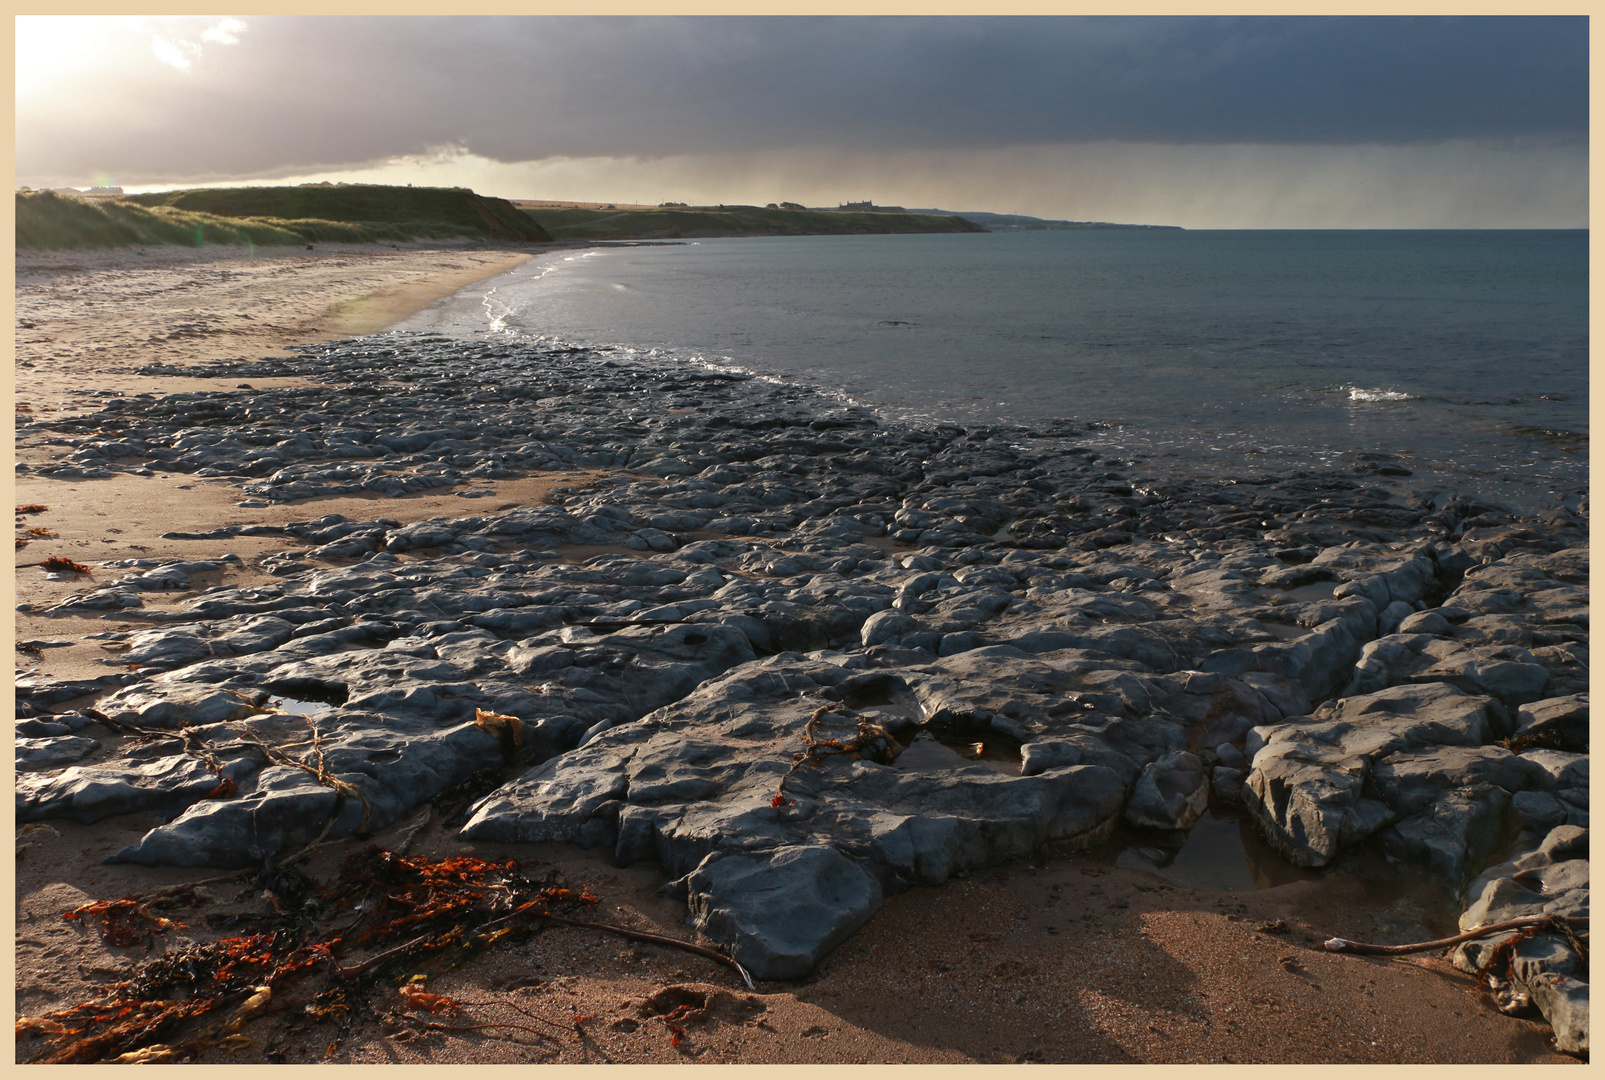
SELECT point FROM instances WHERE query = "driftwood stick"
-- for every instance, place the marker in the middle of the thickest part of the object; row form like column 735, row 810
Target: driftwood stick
column 1358, row 948
column 657, row 939
column 430, row 1025
column 378, row 958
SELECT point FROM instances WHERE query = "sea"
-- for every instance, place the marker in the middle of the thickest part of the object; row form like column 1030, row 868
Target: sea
column 1460, row 356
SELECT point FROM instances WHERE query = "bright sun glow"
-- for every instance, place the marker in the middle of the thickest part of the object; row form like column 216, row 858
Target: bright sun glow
column 54, row 51
column 58, row 55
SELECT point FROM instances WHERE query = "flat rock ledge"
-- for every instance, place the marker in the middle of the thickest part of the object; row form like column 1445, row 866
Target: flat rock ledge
column 804, row 658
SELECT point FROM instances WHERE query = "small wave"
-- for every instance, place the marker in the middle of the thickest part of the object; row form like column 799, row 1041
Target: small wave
column 1360, row 393
column 1555, row 435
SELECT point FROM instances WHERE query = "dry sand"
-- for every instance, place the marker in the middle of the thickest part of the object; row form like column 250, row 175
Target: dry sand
column 1063, row 959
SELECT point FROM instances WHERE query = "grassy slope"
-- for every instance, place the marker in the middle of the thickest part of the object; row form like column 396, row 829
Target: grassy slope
column 364, row 203
column 357, row 214
column 671, row 222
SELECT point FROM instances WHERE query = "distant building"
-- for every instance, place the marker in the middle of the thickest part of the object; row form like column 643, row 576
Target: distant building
column 91, row 193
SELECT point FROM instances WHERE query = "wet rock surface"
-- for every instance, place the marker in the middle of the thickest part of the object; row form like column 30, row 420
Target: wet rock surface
column 804, row 658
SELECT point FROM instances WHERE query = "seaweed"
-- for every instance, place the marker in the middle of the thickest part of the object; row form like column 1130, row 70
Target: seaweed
column 508, row 731
column 441, row 911
column 1551, row 739
column 869, row 742
column 453, row 804
column 60, row 565
column 124, row 922
column 384, row 914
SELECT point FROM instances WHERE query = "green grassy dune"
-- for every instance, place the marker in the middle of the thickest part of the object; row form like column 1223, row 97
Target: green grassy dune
column 357, row 213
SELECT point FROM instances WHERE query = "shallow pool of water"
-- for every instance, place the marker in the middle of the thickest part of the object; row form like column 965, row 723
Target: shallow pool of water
column 933, row 753
column 1220, row 853
column 299, row 706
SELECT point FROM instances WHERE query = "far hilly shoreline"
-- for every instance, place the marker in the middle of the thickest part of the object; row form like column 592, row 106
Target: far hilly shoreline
column 609, row 221
column 371, row 213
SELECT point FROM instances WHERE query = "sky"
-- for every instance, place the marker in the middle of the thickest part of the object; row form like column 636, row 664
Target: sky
column 1202, row 122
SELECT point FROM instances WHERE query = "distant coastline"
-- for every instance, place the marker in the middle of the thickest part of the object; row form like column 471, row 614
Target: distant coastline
column 1025, row 223
column 373, row 213
column 673, row 221
column 668, row 221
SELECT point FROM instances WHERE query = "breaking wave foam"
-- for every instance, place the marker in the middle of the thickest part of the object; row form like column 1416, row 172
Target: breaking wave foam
column 1360, row 393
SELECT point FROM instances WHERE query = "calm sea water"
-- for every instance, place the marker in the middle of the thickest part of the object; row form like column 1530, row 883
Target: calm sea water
column 1236, row 353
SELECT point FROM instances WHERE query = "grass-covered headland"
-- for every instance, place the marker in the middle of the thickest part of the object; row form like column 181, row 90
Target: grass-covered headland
column 674, row 222
column 347, row 213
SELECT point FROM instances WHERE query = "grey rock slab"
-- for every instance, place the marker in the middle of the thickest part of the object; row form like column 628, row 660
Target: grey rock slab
column 1538, row 811
column 1369, row 726
column 170, row 648
column 1501, row 899
column 1408, row 781
column 641, row 667
column 1171, row 793
column 781, row 911
column 1310, row 810
column 1569, row 770
column 286, row 806
column 108, row 599
column 886, row 626
column 52, row 724
column 1226, row 784
column 163, row 703
column 1454, row 835
column 383, row 776
column 559, row 798
column 1425, row 622
column 1560, row 723
column 699, row 777
column 1380, row 576
column 1507, row 672
column 1563, row 1000
column 1311, row 787
column 1080, row 749
column 1321, row 661
column 170, row 576
column 1556, row 878
column 52, row 752
column 961, row 820
column 1565, row 842
column 88, row 793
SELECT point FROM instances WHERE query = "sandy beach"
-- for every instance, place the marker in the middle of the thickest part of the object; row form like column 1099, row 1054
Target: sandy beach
column 1061, row 958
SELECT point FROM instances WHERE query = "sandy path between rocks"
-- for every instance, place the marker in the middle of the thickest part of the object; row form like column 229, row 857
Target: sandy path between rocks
column 1065, row 959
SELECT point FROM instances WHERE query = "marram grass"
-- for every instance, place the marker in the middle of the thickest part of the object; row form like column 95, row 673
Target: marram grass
column 51, row 222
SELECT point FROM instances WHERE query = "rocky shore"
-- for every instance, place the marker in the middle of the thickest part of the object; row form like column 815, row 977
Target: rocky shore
column 805, row 659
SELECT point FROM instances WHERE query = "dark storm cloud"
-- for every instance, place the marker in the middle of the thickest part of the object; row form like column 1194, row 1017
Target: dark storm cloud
column 301, row 93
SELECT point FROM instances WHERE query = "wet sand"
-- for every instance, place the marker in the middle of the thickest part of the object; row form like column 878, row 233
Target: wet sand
column 1071, row 958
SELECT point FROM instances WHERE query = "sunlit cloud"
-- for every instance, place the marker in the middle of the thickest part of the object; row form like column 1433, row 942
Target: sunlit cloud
column 224, row 33
column 170, row 54
column 178, row 53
